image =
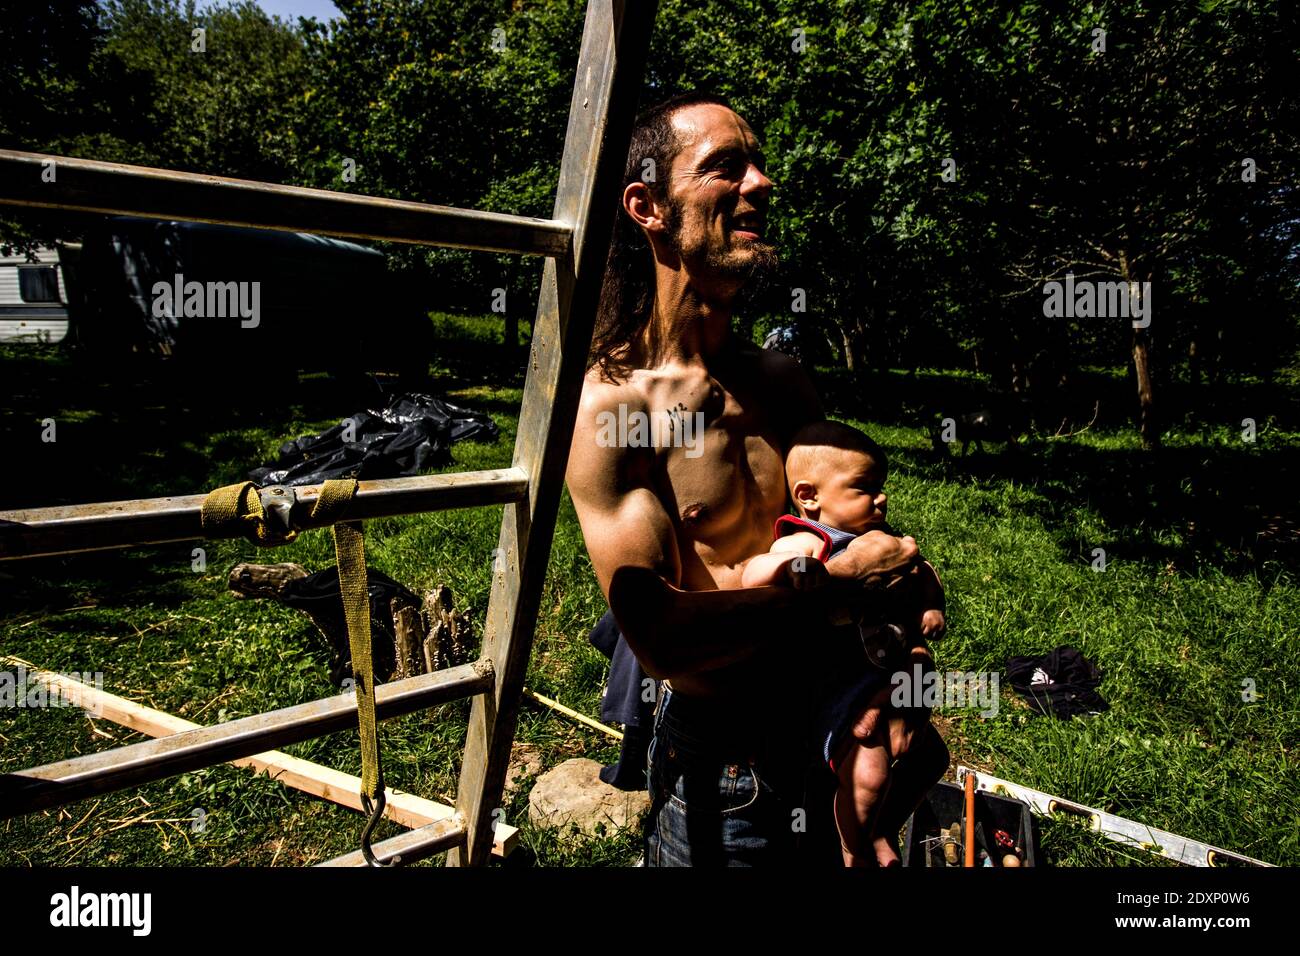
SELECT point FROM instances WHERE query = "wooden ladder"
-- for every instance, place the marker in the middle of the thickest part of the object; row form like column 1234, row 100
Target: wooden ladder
column 575, row 241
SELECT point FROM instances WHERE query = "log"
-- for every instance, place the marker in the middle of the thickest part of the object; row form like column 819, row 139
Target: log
column 408, row 641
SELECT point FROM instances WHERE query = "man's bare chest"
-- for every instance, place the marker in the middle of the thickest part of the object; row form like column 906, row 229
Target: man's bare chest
column 723, row 469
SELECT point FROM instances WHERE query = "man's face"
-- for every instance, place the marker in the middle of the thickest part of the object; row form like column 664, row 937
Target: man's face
column 718, row 195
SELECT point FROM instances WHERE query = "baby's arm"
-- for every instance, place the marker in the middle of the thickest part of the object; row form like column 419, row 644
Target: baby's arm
column 781, row 566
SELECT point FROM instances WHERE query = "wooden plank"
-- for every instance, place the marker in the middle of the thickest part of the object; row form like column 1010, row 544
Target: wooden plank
column 68, row 529
column 615, row 41
column 118, row 189
column 333, row 785
column 52, row 785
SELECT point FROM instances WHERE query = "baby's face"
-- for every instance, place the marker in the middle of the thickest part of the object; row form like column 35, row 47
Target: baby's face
column 851, row 495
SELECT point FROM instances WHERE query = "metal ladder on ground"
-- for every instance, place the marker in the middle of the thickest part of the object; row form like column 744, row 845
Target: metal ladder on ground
column 575, row 242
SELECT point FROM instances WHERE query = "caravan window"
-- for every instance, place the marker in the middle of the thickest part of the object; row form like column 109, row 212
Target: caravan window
column 38, row 284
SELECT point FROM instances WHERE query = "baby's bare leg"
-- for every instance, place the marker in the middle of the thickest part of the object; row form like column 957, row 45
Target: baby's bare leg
column 863, row 771
column 910, row 779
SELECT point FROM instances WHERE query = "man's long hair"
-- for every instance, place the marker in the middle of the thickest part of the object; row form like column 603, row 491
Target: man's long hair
column 628, row 292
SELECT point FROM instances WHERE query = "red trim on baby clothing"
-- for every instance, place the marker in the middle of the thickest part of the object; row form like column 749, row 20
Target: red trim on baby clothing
column 802, row 524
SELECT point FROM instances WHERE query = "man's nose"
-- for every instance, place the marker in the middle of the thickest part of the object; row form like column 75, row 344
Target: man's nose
column 756, row 181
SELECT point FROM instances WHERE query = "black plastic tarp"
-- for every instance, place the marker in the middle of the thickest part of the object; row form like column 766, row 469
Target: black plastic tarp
column 413, row 433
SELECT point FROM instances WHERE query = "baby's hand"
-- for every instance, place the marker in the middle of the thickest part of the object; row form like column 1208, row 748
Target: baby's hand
column 933, row 624
column 804, row 574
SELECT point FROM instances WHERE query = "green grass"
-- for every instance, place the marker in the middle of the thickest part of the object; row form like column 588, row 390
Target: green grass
column 1174, row 628
column 1177, row 620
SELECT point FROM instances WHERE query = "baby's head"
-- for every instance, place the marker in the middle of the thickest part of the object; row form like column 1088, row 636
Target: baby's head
column 836, row 475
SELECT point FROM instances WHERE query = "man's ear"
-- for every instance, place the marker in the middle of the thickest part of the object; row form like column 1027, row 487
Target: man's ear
column 645, row 211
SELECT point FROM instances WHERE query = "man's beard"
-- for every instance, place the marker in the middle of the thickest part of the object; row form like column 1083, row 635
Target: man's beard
column 754, row 269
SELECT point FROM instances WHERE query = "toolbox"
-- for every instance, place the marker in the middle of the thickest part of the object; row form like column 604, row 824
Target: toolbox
column 1003, row 825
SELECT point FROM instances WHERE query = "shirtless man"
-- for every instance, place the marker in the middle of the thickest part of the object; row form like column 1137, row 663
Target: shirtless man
column 669, row 528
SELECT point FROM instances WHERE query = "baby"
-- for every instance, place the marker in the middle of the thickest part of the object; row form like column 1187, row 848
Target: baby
column 836, row 475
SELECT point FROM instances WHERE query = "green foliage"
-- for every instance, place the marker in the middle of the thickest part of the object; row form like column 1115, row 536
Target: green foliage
column 236, row 106
column 462, row 104
column 1117, row 164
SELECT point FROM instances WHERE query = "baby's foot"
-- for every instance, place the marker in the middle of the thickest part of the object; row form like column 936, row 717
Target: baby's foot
column 886, row 851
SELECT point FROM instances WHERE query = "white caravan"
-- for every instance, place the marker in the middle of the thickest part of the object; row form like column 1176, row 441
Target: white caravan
column 33, row 296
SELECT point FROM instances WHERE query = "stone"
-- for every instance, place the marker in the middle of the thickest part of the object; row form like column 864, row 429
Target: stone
column 525, row 762
column 573, row 794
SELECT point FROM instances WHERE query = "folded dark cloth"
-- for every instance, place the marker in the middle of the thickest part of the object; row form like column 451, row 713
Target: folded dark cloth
column 628, row 700
column 1063, row 682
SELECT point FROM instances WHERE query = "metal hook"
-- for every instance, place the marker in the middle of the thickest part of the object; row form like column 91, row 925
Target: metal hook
column 376, row 812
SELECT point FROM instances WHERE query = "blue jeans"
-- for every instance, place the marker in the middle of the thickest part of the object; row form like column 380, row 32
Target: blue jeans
column 727, row 789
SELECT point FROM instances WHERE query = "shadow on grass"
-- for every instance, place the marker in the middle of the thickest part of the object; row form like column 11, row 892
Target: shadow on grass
column 88, row 429
column 1199, row 500
column 144, row 428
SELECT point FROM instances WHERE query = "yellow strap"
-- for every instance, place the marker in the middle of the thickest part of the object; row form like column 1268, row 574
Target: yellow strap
column 349, row 546
column 236, row 511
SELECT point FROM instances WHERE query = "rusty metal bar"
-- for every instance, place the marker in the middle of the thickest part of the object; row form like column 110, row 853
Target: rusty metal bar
column 93, row 186
column 56, row 784
column 411, row 846
column 67, row 529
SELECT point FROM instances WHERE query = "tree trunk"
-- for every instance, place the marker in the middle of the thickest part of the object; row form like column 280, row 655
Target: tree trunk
column 511, row 337
column 855, row 359
column 1147, row 426
column 1146, row 400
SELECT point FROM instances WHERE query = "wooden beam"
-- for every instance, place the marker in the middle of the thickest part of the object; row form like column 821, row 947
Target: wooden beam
column 615, row 43
column 324, row 782
column 89, row 185
column 1151, row 839
column 67, row 529
column 583, row 719
column 56, row 784
column 411, row 847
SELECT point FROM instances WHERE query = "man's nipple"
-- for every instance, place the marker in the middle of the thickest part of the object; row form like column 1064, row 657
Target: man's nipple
column 695, row 514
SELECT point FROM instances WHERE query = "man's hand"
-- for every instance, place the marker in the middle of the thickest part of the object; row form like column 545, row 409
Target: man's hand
column 933, row 625
column 875, row 557
column 873, row 560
